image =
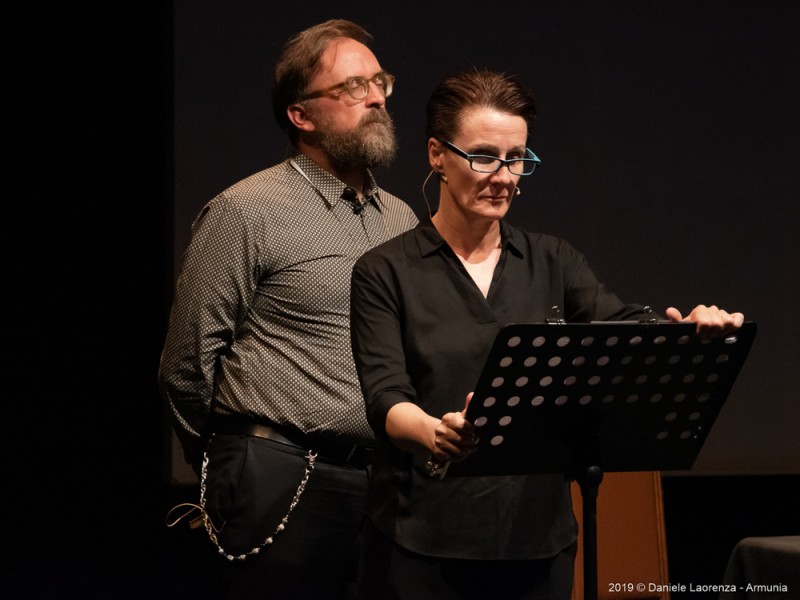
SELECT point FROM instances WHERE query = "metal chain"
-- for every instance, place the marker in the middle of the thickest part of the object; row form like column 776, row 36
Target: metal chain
column 311, row 458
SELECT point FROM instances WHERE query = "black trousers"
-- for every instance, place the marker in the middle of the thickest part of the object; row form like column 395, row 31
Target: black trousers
column 250, row 485
column 390, row 572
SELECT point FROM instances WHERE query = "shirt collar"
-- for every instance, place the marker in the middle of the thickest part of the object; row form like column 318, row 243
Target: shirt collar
column 331, row 188
column 430, row 242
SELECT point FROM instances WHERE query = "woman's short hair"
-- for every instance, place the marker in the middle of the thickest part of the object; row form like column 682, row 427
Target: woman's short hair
column 474, row 88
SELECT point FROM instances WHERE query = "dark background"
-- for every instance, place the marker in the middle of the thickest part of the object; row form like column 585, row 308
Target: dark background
column 669, row 135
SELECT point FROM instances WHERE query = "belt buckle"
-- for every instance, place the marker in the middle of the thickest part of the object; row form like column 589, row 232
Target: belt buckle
column 351, row 453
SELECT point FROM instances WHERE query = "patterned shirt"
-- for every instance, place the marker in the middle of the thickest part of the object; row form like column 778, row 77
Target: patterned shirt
column 260, row 320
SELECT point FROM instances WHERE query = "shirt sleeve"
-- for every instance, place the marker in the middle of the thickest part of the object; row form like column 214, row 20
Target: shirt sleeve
column 586, row 298
column 377, row 341
column 214, row 288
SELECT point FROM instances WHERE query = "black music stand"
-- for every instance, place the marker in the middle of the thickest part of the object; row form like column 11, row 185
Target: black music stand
column 585, row 399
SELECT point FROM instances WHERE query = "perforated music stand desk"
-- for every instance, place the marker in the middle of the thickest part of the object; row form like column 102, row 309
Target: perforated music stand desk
column 584, row 399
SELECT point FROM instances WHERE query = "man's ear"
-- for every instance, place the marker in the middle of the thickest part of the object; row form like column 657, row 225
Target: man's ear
column 299, row 117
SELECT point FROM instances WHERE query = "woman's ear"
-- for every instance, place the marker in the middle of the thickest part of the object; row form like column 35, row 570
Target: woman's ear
column 435, row 150
column 299, row 117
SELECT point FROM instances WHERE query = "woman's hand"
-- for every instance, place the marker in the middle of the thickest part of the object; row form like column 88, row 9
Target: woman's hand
column 454, row 437
column 711, row 321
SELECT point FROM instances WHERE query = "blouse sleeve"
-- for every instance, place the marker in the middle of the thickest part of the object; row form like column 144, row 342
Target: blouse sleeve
column 377, row 339
column 586, row 298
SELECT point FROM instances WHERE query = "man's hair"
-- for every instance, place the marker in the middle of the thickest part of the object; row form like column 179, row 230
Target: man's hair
column 299, row 62
column 475, row 88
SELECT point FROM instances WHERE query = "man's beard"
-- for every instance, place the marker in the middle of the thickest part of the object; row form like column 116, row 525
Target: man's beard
column 371, row 144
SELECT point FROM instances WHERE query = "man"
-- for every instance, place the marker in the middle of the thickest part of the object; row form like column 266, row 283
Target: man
column 257, row 368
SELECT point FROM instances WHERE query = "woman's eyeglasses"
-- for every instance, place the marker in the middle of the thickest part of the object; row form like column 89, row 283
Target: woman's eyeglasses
column 482, row 163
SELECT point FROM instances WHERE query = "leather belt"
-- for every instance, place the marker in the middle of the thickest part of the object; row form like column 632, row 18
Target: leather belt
column 350, row 454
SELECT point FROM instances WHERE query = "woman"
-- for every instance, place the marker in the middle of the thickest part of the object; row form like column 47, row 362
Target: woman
column 425, row 309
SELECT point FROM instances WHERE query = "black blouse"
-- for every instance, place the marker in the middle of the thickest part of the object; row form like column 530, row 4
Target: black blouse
column 421, row 330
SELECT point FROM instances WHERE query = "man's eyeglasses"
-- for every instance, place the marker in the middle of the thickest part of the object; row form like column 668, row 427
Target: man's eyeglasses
column 357, row 87
column 483, row 163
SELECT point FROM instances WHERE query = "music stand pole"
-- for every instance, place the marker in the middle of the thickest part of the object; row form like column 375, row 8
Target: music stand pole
column 589, row 483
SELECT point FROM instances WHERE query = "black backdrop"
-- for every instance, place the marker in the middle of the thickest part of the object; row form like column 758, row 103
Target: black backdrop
column 668, row 133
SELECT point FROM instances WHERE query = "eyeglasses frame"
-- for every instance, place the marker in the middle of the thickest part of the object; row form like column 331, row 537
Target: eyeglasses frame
column 342, row 87
column 504, row 162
